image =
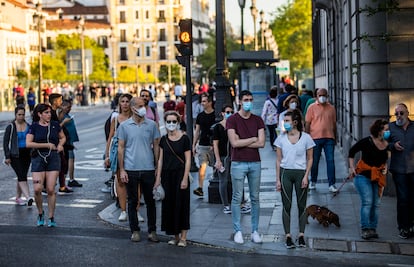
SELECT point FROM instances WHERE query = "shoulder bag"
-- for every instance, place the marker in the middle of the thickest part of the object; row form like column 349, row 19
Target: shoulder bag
column 190, row 177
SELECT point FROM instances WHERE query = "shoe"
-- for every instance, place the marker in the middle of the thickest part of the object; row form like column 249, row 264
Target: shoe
column 30, row 202
column 333, row 189
column 20, row 202
column 255, row 237
column 74, row 183
column 372, row 233
column 140, row 218
column 41, row 219
column 365, row 234
column 173, row 242
column 153, row 237
column 65, row 191
column 135, row 236
column 312, row 186
column 198, row 192
column 106, row 189
column 123, row 216
column 289, row 243
column 44, row 192
column 301, row 241
column 51, row 222
column 245, row 209
column 404, row 234
column 226, row 210
column 182, row 243
column 238, row 237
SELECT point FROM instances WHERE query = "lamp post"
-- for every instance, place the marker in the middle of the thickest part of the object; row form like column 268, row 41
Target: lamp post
column 81, row 28
column 242, row 4
column 169, row 65
column 154, row 55
column 113, row 40
column 38, row 20
column 253, row 11
column 135, row 44
column 262, row 29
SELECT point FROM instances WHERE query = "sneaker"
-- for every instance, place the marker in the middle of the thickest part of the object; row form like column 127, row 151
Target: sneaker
column 245, row 209
column 20, row 202
column 226, row 210
column 301, row 241
column 65, row 191
column 312, row 186
column 182, row 243
column 365, row 234
column 41, row 219
column 30, row 202
column 106, row 189
column 173, row 242
column 74, row 183
column 289, row 242
column 140, row 218
column 333, row 189
column 373, row 233
column 198, row 192
column 255, row 237
column 44, row 192
column 153, row 237
column 238, row 237
column 403, row 234
column 123, row 216
column 135, row 236
column 51, row 222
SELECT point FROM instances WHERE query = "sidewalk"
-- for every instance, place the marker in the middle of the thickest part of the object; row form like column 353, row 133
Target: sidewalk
column 211, row 227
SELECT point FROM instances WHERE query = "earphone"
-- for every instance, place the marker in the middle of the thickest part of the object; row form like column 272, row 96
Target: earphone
column 47, row 139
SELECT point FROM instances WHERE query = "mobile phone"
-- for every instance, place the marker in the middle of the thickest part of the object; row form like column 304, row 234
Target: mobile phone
column 71, row 117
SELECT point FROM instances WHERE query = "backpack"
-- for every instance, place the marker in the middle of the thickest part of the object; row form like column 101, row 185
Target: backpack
column 107, row 126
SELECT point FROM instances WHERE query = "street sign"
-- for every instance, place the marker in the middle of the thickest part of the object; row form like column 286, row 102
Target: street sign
column 283, row 67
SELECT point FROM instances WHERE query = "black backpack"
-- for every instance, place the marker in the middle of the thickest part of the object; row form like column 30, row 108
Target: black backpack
column 107, row 126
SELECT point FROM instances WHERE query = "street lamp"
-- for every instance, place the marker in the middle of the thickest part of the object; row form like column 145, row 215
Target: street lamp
column 135, row 44
column 169, row 65
column 262, row 29
column 242, row 4
column 81, row 29
column 38, row 20
column 253, row 11
column 113, row 40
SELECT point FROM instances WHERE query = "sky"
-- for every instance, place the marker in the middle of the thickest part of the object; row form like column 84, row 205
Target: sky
column 233, row 13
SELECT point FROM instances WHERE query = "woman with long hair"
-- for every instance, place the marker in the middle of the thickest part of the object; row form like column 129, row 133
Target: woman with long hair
column 46, row 138
column 17, row 154
column 124, row 113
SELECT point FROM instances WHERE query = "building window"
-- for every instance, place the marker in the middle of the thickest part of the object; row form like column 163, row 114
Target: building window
column 121, row 2
column 103, row 41
column 137, row 33
column 163, row 52
column 138, row 52
column 122, row 35
column 146, row 14
column 122, row 17
column 49, row 43
column 161, row 16
column 147, row 51
column 163, row 36
column 147, row 33
column 124, row 55
column 148, row 68
column 137, row 14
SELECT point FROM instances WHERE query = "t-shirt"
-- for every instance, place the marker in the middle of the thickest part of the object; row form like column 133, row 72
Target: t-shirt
column 294, row 155
column 151, row 114
column 45, row 134
column 169, row 105
column 170, row 160
column 245, row 128
column 220, row 134
column 322, row 119
column 205, row 121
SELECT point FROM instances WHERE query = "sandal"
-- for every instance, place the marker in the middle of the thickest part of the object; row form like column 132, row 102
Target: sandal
column 173, row 242
column 182, row 243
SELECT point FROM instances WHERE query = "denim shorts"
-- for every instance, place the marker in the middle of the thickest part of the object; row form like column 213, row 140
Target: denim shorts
column 71, row 154
column 205, row 155
column 49, row 163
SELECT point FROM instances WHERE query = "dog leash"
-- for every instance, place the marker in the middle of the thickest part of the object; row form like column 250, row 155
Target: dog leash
column 342, row 185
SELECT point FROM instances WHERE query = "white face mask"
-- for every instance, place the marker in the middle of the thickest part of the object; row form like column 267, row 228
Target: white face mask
column 293, row 105
column 141, row 112
column 322, row 99
column 171, row 126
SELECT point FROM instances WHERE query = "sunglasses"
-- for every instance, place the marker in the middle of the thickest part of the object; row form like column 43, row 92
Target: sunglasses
column 145, row 96
column 399, row 113
column 173, row 122
column 229, row 112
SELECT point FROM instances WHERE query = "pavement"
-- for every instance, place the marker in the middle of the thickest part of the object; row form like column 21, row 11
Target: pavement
column 211, row 227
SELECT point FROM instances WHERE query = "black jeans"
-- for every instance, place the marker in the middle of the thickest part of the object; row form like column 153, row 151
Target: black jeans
column 272, row 133
column 404, row 184
column 146, row 179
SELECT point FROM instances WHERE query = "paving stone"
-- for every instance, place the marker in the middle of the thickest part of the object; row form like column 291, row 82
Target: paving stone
column 332, row 245
column 373, row 247
column 407, row 249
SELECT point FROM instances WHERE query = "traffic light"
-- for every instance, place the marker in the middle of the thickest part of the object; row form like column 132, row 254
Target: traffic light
column 185, row 47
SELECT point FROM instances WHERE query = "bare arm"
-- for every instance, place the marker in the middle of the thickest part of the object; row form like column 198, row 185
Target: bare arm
column 236, row 142
column 309, row 162
column 218, row 164
column 184, row 182
column 260, row 142
column 121, row 151
column 62, row 140
column 278, row 174
column 31, row 144
column 108, row 142
column 156, row 149
column 307, row 127
column 159, row 168
column 195, row 138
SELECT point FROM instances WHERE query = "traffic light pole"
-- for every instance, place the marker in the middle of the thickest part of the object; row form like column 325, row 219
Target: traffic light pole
column 188, row 99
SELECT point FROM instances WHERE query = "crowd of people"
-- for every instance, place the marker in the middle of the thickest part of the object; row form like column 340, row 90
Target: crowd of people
column 141, row 160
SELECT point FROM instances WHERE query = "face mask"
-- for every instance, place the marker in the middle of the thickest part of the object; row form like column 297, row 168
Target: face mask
column 322, row 99
column 141, row 112
column 400, row 122
column 287, row 126
column 386, row 134
column 227, row 115
column 293, row 105
column 171, row 126
column 247, row 106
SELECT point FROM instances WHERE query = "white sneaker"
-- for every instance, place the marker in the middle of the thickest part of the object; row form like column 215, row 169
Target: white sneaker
column 123, row 216
column 255, row 237
column 238, row 237
column 333, row 189
column 140, row 218
column 312, row 186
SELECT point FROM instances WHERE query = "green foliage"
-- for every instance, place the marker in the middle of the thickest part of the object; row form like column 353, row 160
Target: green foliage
column 292, row 28
column 175, row 73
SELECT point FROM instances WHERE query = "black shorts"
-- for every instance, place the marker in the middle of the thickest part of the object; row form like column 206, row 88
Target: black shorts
column 43, row 163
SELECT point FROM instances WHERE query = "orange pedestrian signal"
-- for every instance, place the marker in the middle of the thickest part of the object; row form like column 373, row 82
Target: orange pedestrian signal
column 186, row 37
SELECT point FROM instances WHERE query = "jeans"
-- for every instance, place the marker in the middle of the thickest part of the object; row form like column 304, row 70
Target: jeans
column 328, row 146
column 272, row 133
column 147, row 180
column 224, row 180
column 370, row 201
column 404, row 184
column 239, row 171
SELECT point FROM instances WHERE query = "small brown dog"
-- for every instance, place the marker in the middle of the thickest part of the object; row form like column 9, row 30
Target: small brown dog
column 323, row 215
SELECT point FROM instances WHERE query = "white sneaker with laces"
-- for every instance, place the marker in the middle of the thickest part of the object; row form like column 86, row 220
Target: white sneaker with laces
column 312, row 186
column 333, row 189
column 255, row 237
column 140, row 218
column 238, row 237
column 123, row 216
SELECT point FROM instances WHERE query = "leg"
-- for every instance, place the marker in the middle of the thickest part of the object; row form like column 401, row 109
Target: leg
column 147, row 184
column 316, row 157
column 286, row 192
column 238, row 172
column 373, row 216
column 403, row 193
column 301, row 197
column 132, row 189
column 364, row 188
column 329, row 149
column 272, row 134
column 38, row 180
column 121, row 191
column 201, row 174
column 253, row 178
column 51, row 177
column 223, row 181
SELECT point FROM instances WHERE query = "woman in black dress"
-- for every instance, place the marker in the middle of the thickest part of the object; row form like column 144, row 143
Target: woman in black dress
column 174, row 168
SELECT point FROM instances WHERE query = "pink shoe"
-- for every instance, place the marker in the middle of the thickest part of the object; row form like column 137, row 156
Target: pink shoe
column 20, row 202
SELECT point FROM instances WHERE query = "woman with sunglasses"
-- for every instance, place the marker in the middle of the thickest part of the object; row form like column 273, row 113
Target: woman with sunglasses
column 46, row 138
column 221, row 149
column 173, row 171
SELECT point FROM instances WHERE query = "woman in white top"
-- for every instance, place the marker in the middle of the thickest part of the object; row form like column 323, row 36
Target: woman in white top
column 270, row 115
column 294, row 162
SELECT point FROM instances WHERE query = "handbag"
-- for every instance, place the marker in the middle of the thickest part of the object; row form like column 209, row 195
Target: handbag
column 158, row 193
column 190, row 177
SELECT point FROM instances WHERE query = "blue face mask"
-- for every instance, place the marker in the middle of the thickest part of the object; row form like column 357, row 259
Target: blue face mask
column 287, row 126
column 247, row 106
column 227, row 115
column 386, row 134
